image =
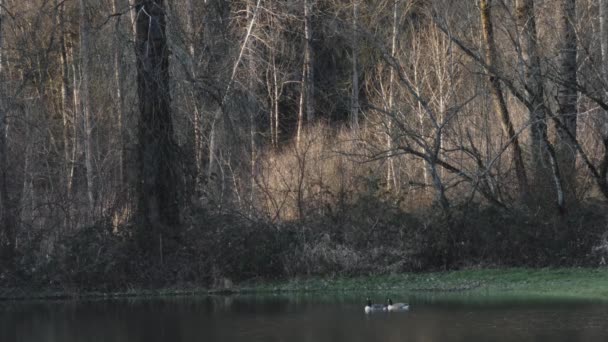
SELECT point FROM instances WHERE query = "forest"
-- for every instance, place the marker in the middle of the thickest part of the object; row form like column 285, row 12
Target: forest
column 152, row 143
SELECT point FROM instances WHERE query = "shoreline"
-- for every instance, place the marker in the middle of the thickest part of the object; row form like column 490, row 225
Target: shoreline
column 576, row 283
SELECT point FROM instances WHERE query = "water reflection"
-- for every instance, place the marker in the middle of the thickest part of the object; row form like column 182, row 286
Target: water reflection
column 312, row 317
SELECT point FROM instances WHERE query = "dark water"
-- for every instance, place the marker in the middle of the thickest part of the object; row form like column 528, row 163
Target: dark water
column 307, row 318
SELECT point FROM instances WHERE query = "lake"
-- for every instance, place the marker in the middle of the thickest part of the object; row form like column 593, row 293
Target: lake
column 304, row 318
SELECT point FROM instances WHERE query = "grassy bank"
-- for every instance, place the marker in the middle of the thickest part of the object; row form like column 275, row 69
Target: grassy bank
column 575, row 283
column 563, row 282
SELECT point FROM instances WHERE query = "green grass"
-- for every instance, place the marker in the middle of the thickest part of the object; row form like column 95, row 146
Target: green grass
column 567, row 283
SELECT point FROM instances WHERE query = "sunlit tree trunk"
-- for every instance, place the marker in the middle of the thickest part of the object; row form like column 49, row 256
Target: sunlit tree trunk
column 500, row 104
column 273, row 90
column 132, row 15
column 567, row 95
column 67, row 109
column 157, row 186
column 306, row 108
column 301, row 106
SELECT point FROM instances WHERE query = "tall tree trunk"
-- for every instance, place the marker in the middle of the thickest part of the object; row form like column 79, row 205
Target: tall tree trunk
column 118, row 71
column 604, row 46
column 500, row 104
column 309, row 61
column 542, row 148
column 157, row 186
column 85, row 103
column 603, row 5
column 390, row 172
column 567, row 95
column 526, row 22
column 213, row 134
column 301, row 106
column 252, row 108
column 133, row 16
column 197, row 121
column 67, row 109
column 273, row 92
column 307, row 102
column 7, row 210
column 354, row 110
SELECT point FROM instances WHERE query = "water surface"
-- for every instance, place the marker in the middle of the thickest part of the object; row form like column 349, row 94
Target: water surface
column 304, row 318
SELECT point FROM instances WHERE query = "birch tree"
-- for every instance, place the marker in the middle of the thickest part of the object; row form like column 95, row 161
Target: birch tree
column 391, row 180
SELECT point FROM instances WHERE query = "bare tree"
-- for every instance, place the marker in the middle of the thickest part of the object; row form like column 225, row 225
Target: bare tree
column 500, row 104
column 541, row 146
column 567, row 95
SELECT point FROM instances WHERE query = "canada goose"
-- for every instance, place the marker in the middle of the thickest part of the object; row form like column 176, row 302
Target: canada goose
column 396, row 306
column 369, row 307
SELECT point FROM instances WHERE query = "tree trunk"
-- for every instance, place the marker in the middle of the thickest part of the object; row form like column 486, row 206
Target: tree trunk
column 567, row 95
column 252, row 109
column 354, row 111
column 309, row 62
column 603, row 5
column 301, row 106
column 7, row 210
column 197, row 121
column 542, row 148
column 213, row 134
column 85, row 103
column 67, row 109
column 157, row 186
column 604, row 47
column 500, row 104
column 118, row 71
column 526, row 22
column 390, row 172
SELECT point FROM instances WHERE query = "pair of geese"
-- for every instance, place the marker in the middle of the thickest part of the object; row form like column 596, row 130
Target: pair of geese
column 390, row 306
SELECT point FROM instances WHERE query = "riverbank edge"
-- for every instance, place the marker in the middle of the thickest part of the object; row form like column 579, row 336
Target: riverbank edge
column 576, row 283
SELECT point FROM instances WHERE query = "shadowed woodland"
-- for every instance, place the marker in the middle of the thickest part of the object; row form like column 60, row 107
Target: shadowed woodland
column 150, row 143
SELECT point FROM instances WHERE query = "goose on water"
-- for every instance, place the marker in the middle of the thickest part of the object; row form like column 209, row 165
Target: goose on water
column 369, row 307
column 396, row 306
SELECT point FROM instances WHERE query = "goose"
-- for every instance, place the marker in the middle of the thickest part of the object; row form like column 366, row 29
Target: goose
column 396, row 306
column 369, row 307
